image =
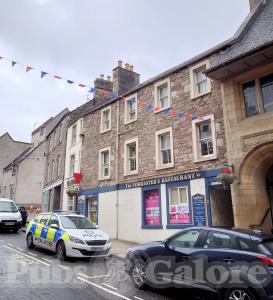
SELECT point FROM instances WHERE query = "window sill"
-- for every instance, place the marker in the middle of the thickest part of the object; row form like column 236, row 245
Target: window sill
column 131, row 173
column 205, row 158
column 129, row 122
column 171, row 165
column 178, row 226
column 101, row 132
column 151, row 227
column 193, row 97
column 162, row 109
column 105, row 178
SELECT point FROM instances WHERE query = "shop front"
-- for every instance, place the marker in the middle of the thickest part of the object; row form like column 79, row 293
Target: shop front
column 153, row 209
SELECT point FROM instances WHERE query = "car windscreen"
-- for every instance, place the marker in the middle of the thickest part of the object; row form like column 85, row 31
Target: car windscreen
column 74, row 222
column 6, row 206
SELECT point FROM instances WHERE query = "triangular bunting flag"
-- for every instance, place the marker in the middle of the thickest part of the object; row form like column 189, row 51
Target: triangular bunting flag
column 81, row 85
column 43, row 74
column 194, row 118
column 70, row 81
column 92, row 90
column 174, row 113
column 29, row 68
column 57, row 77
column 180, row 114
column 13, row 63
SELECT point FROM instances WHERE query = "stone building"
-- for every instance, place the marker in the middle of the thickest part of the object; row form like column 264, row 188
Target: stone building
column 55, row 163
column 9, row 150
column 244, row 68
column 148, row 172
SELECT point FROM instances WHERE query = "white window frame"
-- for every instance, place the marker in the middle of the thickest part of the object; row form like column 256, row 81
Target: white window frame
column 159, row 164
column 178, row 188
column 195, row 139
column 193, row 83
column 102, row 130
column 70, row 165
column 127, row 143
column 72, row 134
column 126, row 117
column 156, row 94
column 101, row 177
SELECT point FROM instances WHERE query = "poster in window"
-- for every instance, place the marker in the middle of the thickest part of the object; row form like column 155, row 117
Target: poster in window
column 179, row 213
column 152, row 206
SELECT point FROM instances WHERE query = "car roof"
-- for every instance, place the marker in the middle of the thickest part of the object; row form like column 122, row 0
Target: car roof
column 6, row 200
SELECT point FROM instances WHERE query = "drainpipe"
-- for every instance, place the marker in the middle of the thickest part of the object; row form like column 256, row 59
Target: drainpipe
column 117, row 170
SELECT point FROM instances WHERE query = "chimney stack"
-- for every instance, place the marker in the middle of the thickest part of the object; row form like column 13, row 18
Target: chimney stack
column 109, row 78
column 253, row 4
column 124, row 79
column 103, row 86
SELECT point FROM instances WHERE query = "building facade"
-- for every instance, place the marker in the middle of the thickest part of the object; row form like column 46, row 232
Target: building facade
column 245, row 71
column 148, row 171
column 55, row 164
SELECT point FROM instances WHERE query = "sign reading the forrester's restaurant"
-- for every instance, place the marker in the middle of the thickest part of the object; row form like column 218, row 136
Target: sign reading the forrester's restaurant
column 167, row 179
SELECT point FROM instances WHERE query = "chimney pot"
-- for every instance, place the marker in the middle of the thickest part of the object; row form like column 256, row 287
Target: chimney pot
column 253, row 4
column 120, row 63
column 127, row 66
column 131, row 68
column 101, row 76
column 109, row 78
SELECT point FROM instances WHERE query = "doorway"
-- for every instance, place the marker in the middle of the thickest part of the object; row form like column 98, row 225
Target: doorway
column 92, row 209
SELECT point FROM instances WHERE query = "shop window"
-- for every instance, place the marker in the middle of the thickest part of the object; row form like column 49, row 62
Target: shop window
column 93, row 209
column 179, row 209
column 71, row 203
column 105, row 119
column 204, row 139
column 164, row 149
column 131, row 109
column 74, row 135
column 151, row 209
column 200, row 83
column 104, row 164
column 162, row 95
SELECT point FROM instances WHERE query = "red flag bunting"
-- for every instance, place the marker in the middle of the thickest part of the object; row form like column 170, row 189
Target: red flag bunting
column 157, row 108
column 174, row 113
column 29, row 68
column 82, row 85
column 57, row 77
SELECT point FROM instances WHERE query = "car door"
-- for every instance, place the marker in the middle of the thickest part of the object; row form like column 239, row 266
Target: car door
column 219, row 246
column 44, row 230
column 52, row 232
column 182, row 248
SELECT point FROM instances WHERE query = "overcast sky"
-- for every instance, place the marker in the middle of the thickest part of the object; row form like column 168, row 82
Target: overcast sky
column 80, row 39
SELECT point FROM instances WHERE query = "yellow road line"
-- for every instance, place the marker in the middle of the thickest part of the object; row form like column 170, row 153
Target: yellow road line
column 42, row 262
column 92, row 277
column 104, row 289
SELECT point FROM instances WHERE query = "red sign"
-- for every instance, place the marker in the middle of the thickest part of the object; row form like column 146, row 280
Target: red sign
column 77, row 178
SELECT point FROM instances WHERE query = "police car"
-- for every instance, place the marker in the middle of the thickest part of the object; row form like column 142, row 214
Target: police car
column 68, row 235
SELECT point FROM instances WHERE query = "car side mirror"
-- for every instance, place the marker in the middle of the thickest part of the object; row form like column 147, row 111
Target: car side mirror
column 54, row 226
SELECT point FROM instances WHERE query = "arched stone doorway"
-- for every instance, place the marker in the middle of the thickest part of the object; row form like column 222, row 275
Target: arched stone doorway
column 253, row 193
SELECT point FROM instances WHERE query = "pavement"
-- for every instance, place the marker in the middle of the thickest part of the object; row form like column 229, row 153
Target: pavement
column 38, row 274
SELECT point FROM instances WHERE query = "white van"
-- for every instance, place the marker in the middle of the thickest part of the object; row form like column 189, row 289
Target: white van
column 10, row 217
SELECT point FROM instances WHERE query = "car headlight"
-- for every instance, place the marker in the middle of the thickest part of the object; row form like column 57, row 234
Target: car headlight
column 76, row 240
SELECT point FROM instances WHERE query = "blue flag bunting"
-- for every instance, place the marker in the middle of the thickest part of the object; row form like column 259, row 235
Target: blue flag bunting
column 13, row 63
column 194, row 118
column 92, row 90
column 180, row 115
column 70, row 81
column 43, row 74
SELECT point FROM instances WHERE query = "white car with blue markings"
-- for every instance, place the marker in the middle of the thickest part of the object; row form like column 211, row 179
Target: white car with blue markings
column 67, row 234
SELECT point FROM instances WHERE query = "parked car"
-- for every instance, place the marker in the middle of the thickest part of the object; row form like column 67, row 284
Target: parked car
column 10, row 217
column 24, row 214
column 67, row 234
column 156, row 263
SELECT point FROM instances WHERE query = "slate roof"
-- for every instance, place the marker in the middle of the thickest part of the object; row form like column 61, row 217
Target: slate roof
column 258, row 32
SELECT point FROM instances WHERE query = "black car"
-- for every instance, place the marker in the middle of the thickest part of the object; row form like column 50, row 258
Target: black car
column 233, row 264
column 24, row 214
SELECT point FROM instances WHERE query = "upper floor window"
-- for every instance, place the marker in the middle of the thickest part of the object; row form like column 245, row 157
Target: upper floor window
column 200, row 83
column 131, row 157
column 72, row 164
column 74, row 135
column 162, row 95
column 204, row 140
column 57, row 167
column 258, row 96
column 104, row 164
column 131, row 109
column 164, row 149
column 105, row 119
column 60, row 132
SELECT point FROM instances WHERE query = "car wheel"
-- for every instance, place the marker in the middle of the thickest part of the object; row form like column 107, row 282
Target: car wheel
column 240, row 294
column 138, row 274
column 30, row 241
column 60, row 250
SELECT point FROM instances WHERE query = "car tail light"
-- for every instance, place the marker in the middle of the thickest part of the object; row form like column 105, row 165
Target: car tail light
column 266, row 260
